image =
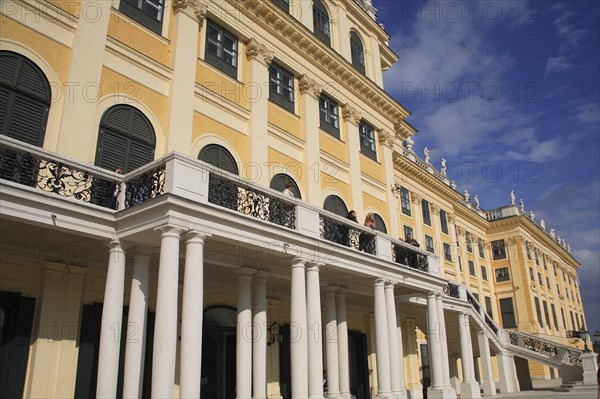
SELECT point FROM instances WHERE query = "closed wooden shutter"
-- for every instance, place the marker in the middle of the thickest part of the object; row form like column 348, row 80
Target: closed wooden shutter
column 24, row 99
column 126, row 139
column 335, row 204
column 219, row 157
column 380, row 224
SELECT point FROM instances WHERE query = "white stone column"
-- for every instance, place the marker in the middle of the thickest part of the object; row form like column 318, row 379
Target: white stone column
column 191, row 317
column 506, row 373
column 342, row 330
column 376, row 73
column 306, row 13
column 331, row 344
column 443, row 341
column 392, row 329
column 315, row 332
column 433, row 342
column 298, row 331
column 259, row 58
column 138, row 308
column 469, row 387
column 83, row 81
column 165, row 325
column 184, row 57
column 487, row 376
column 110, row 328
column 259, row 341
column 309, row 102
column 438, row 245
column 352, row 119
column 383, row 347
column 243, row 353
column 403, row 393
column 414, row 379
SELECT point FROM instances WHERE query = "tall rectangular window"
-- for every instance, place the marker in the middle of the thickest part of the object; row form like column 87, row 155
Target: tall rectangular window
column 460, row 264
column 488, row 307
column 149, row 13
column 321, row 22
column 557, row 289
column 544, row 262
column 554, row 316
column 426, row 212
column 444, row 221
column 554, row 267
column 484, row 273
column 502, row 274
column 329, row 115
column 538, row 310
column 447, row 252
column 480, row 246
column 283, row 4
column 547, row 314
column 582, row 323
column 531, row 275
column 540, row 279
column 535, row 254
column 405, row 200
column 457, row 235
column 507, row 311
column 469, row 242
column 562, row 313
column 498, row 250
column 527, row 250
column 281, row 87
column 367, row 140
column 221, row 49
column 572, row 321
column 548, row 282
column 429, row 244
column 472, row 268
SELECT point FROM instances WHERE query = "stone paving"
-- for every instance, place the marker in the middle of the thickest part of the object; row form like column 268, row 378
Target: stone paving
column 544, row 389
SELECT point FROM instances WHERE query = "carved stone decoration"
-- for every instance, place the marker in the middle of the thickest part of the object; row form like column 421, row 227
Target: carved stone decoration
column 408, row 144
column 476, row 200
column 179, row 5
column 453, row 184
column 254, row 49
column 200, row 10
column 416, row 198
column 385, row 138
column 512, row 241
column 351, row 114
column 543, row 224
column 451, row 218
column 308, row 85
column 552, row 233
column 435, row 209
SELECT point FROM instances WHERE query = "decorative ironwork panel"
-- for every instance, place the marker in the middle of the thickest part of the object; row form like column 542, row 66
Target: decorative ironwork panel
column 57, row 178
column 413, row 259
column 532, row 344
column 145, row 187
column 254, row 203
column 452, row 290
column 575, row 358
column 346, row 234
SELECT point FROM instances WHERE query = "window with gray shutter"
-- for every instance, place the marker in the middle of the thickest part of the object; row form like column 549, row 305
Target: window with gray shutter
column 218, row 156
column 24, row 99
column 335, row 204
column 380, row 224
column 126, row 139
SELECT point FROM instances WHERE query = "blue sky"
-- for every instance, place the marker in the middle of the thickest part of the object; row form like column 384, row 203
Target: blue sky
column 508, row 92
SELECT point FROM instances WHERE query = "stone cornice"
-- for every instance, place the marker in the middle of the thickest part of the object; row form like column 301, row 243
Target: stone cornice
column 304, row 42
column 524, row 223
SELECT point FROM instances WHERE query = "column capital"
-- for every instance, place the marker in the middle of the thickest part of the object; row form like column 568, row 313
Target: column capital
column 313, row 266
column 416, row 198
column 244, row 272
column 385, row 138
column 196, row 236
column 170, row 230
column 341, row 291
column 431, row 294
column 379, row 281
column 299, row 262
column 330, row 289
column 390, row 284
column 351, row 114
column 198, row 8
column 309, row 86
column 451, row 218
column 254, row 49
column 435, row 209
column 261, row 275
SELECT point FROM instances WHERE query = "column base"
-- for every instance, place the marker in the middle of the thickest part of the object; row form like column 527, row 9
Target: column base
column 489, row 388
column 401, row 394
column 442, row 393
column 470, row 389
column 455, row 383
column 416, row 392
column 334, row 396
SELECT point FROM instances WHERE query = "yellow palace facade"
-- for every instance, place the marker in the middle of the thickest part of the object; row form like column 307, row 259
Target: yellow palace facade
column 149, row 250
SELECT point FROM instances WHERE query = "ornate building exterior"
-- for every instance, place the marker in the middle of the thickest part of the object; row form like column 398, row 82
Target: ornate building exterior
column 148, row 249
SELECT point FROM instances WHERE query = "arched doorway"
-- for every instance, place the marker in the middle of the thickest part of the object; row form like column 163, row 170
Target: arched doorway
column 218, row 353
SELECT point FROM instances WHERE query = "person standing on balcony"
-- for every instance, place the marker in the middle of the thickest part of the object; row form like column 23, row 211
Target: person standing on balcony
column 112, row 191
column 365, row 239
column 289, row 190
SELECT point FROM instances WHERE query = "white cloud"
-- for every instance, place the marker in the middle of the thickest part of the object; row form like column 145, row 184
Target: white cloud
column 557, row 64
column 588, row 113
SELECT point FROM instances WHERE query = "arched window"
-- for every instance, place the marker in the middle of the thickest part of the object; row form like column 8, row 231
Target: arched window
column 335, row 204
column 220, row 316
column 24, row 99
column 379, row 224
column 126, row 139
column 218, row 156
column 279, row 181
column 321, row 22
column 357, row 52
